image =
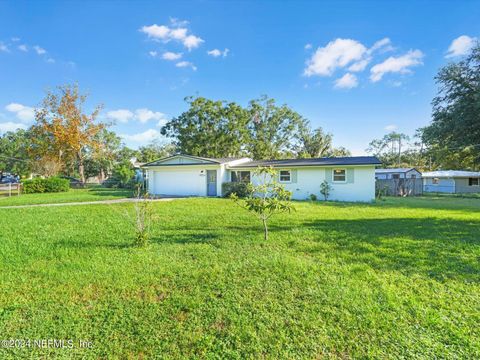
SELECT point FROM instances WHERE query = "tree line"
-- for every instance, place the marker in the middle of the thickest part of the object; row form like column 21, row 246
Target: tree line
column 66, row 140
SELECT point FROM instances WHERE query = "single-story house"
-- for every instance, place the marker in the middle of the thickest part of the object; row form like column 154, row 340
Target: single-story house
column 351, row 178
column 397, row 173
column 451, row 181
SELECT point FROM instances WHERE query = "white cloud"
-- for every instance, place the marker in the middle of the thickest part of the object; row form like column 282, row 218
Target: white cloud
column 144, row 115
column 359, row 65
column 341, row 53
column 217, row 52
column 24, row 113
column 171, row 56
column 183, row 64
column 460, row 46
column 4, row 47
column 153, row 53
column 50, row 61
column 336, row 54
column 308, row 46
column 39, row 50
column 391, row 127
column 11, row 126
column 192, row 42
column 144, row 137
column 174, row 32
column 120, row 115
column 399, row 64
column 15, row 39
column 347, row 81
column 384, row 44
column 23, row 47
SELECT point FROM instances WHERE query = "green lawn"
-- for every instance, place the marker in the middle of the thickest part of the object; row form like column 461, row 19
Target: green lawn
column 396, row 279
column 74, row 195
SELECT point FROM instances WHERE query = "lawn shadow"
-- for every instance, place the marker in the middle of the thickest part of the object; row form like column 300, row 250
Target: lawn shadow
column 432, row 247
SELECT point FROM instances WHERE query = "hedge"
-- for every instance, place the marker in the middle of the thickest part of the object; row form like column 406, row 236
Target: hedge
column 239, row 188
column 49, row 185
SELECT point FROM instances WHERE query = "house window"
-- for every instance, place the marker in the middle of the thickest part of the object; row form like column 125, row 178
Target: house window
column 395, row 176
column 240, row 176
column 473, row 181
column 435, row 181
column 285, row 176
column 339, row 175
column 413, row 176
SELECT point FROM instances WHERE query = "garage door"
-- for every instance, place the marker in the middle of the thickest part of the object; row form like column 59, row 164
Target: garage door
column 179, row 182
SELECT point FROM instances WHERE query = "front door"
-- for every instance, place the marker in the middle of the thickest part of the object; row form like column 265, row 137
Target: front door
column 211, row 182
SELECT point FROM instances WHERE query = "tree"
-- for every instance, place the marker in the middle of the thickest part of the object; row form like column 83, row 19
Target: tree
column 209, row 128
column 314, row 143
column 63, row 132
column 155, row 151
column 275, row 131
column 267, row 198
column 455, row 125
column 13, row 152
column 103, row 157
column 389, row 148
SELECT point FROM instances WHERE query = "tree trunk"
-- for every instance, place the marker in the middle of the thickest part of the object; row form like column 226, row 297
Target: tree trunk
column 102, row 176
column 81, row 168
column 265, row 229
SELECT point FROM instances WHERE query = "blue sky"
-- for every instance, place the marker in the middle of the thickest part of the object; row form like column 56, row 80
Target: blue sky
column 358, row 69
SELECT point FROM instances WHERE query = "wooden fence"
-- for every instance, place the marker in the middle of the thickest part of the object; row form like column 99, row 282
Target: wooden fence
column 10, row 189
column 399, row 187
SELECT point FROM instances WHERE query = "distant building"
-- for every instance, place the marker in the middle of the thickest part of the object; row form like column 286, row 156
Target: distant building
column 451, row 181
column 397, row 173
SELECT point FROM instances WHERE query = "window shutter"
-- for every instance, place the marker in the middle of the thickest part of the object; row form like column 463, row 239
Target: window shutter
column 293, row 175
column 350, row 176
column 329, row 175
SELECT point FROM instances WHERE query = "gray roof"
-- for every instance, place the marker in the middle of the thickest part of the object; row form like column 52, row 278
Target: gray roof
column 394, row 170
column 450, row 173
column 331, row 161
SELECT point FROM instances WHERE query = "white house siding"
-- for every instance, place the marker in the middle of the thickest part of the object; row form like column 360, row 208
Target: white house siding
column 360, row 184
column 183, row 181
column 445, row 185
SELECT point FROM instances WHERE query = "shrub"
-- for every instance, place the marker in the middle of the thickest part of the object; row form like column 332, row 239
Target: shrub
column 325, row 189
column 240, row 188
column 48, row 185
column 313, row 197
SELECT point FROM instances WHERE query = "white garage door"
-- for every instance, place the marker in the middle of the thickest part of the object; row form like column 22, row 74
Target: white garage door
column 179, row 182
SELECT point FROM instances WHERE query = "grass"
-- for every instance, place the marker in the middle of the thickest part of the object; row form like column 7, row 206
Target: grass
column 74, row 195
column 396, row 279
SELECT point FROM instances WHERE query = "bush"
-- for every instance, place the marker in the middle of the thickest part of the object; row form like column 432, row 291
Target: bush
column 48, row 185
column 313, row 197
column 239, row 188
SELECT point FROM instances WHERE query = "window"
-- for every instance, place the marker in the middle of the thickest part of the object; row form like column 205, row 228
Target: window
column 240, row 176
column 413, row 176
column 435, row 181
column 395, row 176
column 339, row 175
column 473, row 181
column 285, row 176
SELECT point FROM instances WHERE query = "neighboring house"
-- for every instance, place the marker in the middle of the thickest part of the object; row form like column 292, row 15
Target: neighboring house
column 451, row 181
column 399, row 181
column 397, row 173
column 351, row 178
